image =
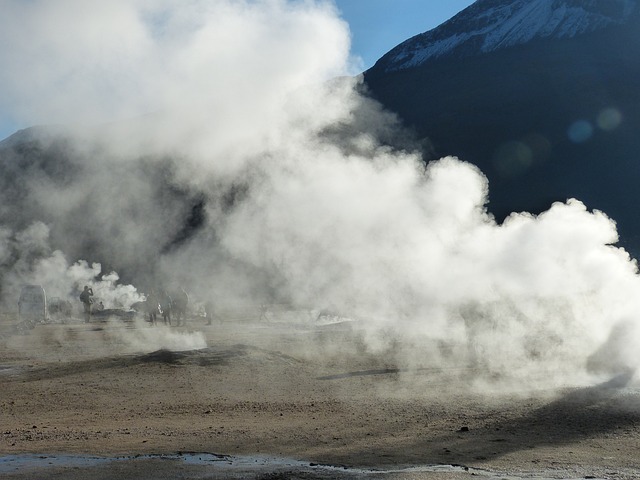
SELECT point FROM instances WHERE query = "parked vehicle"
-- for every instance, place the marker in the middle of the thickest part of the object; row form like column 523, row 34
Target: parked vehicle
column 32, row 305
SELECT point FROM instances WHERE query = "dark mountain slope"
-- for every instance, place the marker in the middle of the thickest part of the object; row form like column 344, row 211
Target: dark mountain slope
column 546, row 120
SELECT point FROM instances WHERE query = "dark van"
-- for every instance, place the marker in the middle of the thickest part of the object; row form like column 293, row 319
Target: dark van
column 32, row 305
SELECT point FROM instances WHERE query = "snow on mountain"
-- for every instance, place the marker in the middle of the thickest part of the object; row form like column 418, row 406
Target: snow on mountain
column 489, row 25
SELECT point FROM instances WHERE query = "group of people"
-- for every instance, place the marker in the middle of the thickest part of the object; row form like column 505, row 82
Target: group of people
column 164, row 304
column 157, row 303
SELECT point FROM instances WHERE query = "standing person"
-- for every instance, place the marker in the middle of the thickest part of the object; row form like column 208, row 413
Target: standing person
column 180, row 304
column 208, row 311
column 165, row 307
column 152, row 306
column 85, row 298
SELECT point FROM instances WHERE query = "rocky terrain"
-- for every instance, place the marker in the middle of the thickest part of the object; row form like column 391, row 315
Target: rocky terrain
column 268, row 399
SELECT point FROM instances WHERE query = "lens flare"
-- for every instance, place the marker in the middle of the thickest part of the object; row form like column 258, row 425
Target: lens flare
column 609, row 119
column 580, row 131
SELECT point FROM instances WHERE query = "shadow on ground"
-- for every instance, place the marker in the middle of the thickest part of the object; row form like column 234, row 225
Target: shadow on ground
column 605, row 409
column 210, row 356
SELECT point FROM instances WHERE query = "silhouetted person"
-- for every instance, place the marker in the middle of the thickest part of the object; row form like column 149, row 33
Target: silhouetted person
column 152, row 307
column 165, row 307
column 85, row 298
column 179, row 306
column 208, row 311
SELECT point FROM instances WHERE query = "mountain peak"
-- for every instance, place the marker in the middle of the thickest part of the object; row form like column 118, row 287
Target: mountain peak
column 489, row 25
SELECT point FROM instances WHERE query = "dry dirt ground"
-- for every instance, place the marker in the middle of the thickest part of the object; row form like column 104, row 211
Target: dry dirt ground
column 275, row 401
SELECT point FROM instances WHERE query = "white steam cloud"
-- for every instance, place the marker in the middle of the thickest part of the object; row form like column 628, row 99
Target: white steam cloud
column 300, row 197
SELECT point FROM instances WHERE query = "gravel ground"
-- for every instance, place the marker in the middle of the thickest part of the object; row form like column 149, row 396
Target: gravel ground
column 284, row 400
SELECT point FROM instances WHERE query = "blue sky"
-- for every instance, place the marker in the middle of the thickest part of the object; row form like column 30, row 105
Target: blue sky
column 379, row 25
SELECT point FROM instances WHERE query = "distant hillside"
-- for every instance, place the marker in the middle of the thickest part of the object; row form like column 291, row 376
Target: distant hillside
column 548, row 119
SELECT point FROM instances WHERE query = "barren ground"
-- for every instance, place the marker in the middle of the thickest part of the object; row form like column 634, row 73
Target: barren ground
column 258, row 389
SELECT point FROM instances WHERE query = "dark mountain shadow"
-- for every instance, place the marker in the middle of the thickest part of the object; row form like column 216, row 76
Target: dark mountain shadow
column 545, row 121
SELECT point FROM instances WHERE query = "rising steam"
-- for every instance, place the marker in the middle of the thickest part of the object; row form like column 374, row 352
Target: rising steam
column 238, row 164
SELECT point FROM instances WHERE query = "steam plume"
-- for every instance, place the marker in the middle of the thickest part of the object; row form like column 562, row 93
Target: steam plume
column 247, row 174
